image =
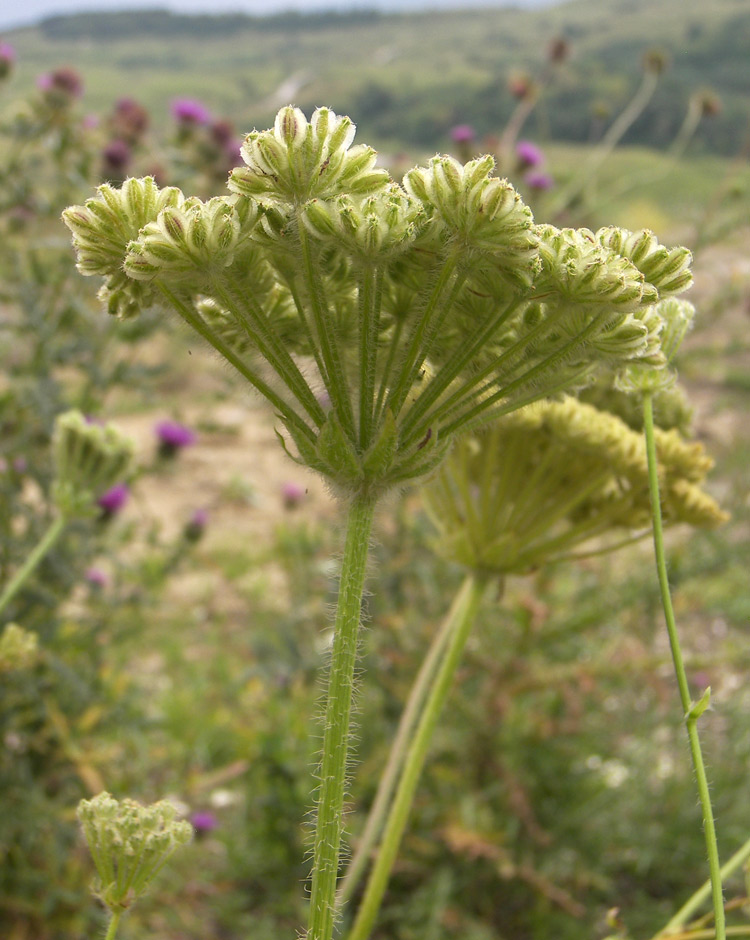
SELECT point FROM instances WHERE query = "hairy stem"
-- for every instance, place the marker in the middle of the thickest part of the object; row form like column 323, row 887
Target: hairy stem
column 333, row 767
column 689, row 710
column 389, row 778
column 35, row 556
column 112, row 928
column 461, row 618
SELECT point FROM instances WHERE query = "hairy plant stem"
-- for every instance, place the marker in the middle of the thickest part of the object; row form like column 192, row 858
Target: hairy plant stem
column 193, row 319
column 32, row 560
column 461, row 617
column 370, row 300
column 389, row 778
column 338, row 387
column 690, row 711
column 113, row 925
column 696, row 900
column 333, row 767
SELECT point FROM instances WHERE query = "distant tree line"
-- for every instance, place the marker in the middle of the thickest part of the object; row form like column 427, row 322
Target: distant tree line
column 130, row 23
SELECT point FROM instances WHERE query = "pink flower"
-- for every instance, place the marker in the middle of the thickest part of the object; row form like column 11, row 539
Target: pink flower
column 204, row 821
column 292, row 494
column 7, row 59
column 61, row 85
column 196, row 525
column 113, row 499
column 529, row 155
column 190, row 111
column 96, row 577
column 462, row 134
column 173, row 437
column 539, row 181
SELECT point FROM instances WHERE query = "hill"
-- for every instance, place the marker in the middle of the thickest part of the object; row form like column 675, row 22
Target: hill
column 407, row 78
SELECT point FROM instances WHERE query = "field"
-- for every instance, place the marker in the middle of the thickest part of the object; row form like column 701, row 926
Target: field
column 182, row 632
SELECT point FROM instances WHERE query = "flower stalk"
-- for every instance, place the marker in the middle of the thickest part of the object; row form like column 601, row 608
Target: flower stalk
column 691, row 710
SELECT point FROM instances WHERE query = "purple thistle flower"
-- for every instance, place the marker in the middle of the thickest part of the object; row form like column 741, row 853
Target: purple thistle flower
column 7, row 59
column 116, row 157
column 173, row 437
column 113, row 499
column 203, row 821
column 196, row 525
column 96, row 577
column 190, row 111
column 462, row 134
column 292, row 494
column 539, row 181
column 529, row 155
column 61, row 85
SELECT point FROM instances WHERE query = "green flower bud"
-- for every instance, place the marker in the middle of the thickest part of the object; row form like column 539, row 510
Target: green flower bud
column 89, row 459
column 297, row 161
column 19, row 648
column 188, row 242
column 377, row 226
column 666, row 269
column 478, row 211
column 104, row 227
column 584, row 272
column 129, row 844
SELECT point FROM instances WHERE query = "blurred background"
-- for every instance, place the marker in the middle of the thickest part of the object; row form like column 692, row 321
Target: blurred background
column 182, row 630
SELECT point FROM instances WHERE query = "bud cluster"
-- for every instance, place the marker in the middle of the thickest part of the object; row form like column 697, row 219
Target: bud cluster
column 551, row 478
column 299, row 160
column 89, row 459
column 129, row 844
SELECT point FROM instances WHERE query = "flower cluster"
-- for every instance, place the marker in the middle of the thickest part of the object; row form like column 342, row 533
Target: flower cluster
column 129, row 844
column 19, row 648
column 90, row 459
column 555, row 477
column 415, row 311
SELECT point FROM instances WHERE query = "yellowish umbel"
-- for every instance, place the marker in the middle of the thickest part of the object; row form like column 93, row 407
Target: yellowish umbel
column 554, row 478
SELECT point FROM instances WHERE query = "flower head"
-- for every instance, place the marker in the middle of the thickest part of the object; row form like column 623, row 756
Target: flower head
column 463, row 134
column 196, row 525
column 528, row 154
column 173, row 437
column 97, row 577
column 292, row 494
column 61, row 86
column 129, row 844
column 204, row 821
column 540, row 182
column 190, row 111
column 116, row 157
column 112, row 500
column 7, row 59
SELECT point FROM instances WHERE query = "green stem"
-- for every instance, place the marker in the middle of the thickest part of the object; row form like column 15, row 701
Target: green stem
column 691, row 718
column 338, row 387
column 461, row 618
column 37, row 554
column 696, row 900
column 193, row 319
column 389, row 778
column 329, row 823
column 370, row 296
column 113, row 925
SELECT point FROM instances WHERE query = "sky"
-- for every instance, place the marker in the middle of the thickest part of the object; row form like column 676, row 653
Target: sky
column 15, row 13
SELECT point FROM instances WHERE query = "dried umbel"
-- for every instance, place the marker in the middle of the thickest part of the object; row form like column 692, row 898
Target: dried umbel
column 554, row 477
column 89, row 459
column 418, row 311
column 129, row 843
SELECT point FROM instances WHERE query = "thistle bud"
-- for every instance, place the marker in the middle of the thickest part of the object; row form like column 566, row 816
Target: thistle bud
column 89, row 459
column 129, row 844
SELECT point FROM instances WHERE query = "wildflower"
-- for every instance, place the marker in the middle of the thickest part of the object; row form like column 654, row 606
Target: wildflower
column 19, row 648
column 529, row 155
column 521, row 85
column 292, row 494
column 116, row 157
column 96, row 577
column 173, row 437
column 129, row 121
column 196, row 526
column 539, row 181
column 129, row 844
column 204, row 821
column 462, row 134
column 7, row 59
column 188, row 111
column 89, row 459
column 112, row 500
column 60, row 87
